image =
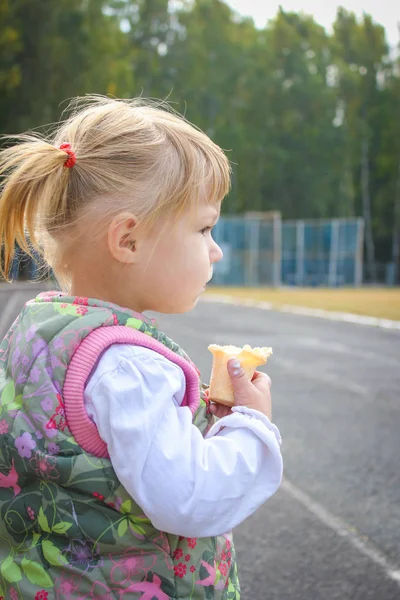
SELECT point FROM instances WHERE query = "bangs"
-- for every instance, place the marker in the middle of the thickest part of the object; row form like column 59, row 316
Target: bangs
column 195, row 171
column 217, row 178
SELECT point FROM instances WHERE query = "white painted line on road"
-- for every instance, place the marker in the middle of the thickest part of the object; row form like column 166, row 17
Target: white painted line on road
column 343, row 530
column 341, row 316
column 327, row 346
column 307, row 312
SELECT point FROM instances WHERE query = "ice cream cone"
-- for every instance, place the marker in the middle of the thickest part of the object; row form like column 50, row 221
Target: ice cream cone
column 221, row 390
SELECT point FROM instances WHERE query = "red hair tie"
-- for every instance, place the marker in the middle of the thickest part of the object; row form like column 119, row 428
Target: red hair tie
column 71, row 160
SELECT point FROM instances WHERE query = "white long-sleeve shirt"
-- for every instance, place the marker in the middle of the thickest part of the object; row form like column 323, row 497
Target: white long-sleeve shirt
column 185, row 484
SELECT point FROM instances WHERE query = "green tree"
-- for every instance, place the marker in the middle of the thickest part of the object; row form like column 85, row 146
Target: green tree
column 149, row 27
column 361, row 53
column 309, row 120
column 60, row 48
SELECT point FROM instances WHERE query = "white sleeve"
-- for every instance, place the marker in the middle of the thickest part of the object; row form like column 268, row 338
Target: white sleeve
column 186, row 484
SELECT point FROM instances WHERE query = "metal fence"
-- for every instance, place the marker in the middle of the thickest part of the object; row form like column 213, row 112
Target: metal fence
column 252, row 250
column 322, row 253
column 262, row 250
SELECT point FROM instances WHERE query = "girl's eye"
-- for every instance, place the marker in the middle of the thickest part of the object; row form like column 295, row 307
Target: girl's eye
column 205, row 230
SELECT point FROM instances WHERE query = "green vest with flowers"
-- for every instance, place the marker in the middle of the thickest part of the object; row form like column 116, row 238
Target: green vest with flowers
column 68, row 528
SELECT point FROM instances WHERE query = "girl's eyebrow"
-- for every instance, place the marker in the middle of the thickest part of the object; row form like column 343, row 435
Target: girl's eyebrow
column 210, row 214
column 214, row 217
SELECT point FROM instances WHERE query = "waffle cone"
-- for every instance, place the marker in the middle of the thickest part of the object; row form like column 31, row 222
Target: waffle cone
column 221, row 390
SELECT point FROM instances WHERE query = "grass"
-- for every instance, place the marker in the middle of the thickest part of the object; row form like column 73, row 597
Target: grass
column 375, row 302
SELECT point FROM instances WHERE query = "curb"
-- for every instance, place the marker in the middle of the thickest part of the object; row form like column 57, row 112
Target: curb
column 307, row 312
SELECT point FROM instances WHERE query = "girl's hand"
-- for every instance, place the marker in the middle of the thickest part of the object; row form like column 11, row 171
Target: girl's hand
column 218, row 410
column 254, row 394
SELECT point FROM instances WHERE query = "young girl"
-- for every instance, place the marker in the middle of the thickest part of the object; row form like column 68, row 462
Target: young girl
column 116, row 479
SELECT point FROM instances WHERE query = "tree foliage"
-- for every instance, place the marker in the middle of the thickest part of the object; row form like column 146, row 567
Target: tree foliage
column 310, row 120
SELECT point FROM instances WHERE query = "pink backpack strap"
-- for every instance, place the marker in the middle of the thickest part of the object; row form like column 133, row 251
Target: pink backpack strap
column 81, row 366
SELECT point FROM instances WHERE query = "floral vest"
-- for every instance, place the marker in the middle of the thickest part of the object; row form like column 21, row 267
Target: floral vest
column 68, row 529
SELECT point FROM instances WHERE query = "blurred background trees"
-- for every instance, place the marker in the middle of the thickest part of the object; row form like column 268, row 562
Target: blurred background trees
column 310, row 120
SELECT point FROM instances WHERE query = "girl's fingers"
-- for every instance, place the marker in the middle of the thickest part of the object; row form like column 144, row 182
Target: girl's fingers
column 259, row 377
column 219, row 410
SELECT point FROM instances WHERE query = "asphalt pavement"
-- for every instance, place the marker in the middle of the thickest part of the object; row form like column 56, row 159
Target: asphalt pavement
column 332, row 532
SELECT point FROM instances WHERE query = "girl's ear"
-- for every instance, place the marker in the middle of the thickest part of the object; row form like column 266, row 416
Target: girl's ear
column 121, row 238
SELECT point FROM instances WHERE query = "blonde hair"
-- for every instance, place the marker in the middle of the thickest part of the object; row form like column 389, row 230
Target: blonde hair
column 132, row 155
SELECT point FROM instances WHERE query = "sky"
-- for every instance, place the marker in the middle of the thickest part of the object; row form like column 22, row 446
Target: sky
column 385, row 12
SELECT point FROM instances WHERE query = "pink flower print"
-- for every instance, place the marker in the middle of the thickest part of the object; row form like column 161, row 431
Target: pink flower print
column 3, row 427
column 42, row 595
column 223, row 556
column 115, row 319
column 130, row 565
column 57, row 420
column 25, row 444
column 162, row 542
column 180, row 570
column 211, row 570
column 223, row 569
column 31, row 513
column 178, row 553
column 63, row 304
column 65, row 587
column 60, row 408
column 44, row 467
column 81, row 300
column 35, row 374
column 228, row 544
column 47, row 404
column 10, row 480
column 13, row 594
column 81, row 310
column 192, row 569
column 151, row 590
column 53, row 448
column 187, row 557
column 192, row 542
column 99, row 591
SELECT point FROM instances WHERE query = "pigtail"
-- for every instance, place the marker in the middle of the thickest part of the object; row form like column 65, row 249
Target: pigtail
column 33, row 192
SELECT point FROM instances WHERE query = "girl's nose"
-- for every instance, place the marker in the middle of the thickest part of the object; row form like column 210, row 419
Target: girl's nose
column 216, row 253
